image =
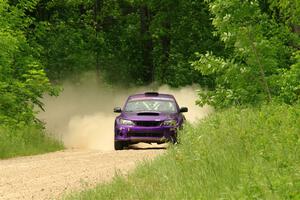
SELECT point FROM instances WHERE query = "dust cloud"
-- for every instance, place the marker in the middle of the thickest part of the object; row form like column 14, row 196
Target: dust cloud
column 82, row 116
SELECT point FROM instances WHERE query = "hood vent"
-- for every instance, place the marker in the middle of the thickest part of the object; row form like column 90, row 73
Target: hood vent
column 148, row 114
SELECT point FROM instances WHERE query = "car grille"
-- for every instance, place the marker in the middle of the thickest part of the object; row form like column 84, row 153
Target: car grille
column 147, row 123
column 147, row 134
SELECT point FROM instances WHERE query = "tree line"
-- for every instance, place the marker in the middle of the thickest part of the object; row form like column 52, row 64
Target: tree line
column 243, row 52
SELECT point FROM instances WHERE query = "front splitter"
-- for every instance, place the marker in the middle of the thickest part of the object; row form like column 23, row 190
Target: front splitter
column 142, row 139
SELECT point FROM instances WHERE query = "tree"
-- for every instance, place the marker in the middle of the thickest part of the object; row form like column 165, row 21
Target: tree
column 260, row 50
column 22, row 78
column 145, row 41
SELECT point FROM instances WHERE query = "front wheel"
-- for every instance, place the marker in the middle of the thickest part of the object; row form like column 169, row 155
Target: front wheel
column 119, row 145
column 173, row 139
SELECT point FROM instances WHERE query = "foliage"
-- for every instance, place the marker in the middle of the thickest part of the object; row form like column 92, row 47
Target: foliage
column 144, row 41
column 22, row 78
column 189, row 30
column 259, row 59
column 139, row 42
column 22, row 84
column 285, row 11
column 25, row 140
column 248, row 153
column 290, row 87
column 66, row 39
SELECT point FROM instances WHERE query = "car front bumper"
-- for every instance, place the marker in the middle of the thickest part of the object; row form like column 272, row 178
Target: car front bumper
column 137, row 134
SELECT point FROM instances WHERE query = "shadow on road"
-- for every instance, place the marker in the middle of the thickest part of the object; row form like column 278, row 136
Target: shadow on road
column 145, row 146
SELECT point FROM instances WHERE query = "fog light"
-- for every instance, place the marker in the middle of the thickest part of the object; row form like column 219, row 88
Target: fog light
column 171, row 122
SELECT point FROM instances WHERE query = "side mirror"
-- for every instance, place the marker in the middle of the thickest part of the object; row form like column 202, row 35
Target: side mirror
column 117, row 110
column 183, row 109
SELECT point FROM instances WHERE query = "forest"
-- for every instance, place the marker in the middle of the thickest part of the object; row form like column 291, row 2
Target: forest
column 243, row 52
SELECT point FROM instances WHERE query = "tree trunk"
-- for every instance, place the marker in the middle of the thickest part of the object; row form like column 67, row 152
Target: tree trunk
column 166, row 46
column 147, row 44
column 265, row 84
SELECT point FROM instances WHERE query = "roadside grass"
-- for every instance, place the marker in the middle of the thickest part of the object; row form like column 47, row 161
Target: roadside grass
column 251, row 153
column 25, row 140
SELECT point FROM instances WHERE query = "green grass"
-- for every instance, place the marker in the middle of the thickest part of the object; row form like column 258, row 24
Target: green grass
column 249, row 153
column 24, row 141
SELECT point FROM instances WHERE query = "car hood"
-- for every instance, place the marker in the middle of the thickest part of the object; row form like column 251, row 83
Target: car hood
column 148, row 116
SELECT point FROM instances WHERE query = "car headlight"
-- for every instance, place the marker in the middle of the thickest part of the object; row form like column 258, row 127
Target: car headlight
column 171, row 122
column 126, row 122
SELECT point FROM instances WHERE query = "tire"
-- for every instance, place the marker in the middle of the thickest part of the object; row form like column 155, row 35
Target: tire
column 173, row 139
column 119, row 145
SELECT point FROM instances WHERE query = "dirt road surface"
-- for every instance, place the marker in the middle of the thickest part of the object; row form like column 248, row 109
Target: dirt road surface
column 52, row 175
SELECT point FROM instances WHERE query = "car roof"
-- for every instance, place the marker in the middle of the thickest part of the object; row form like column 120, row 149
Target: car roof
column 151, row 95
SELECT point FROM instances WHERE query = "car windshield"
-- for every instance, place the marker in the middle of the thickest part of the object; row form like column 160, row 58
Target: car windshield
column 151, row 105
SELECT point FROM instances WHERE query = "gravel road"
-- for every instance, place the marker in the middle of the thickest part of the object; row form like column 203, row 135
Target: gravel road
column 52, row 175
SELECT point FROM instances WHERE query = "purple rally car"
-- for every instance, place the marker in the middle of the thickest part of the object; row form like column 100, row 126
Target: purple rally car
column 150, row 118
